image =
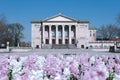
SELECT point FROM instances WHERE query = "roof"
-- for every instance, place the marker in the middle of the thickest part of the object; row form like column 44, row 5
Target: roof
column 92, row 28
column 36, row 21
column 61, row 16
column 83, row 21
column 68, row 19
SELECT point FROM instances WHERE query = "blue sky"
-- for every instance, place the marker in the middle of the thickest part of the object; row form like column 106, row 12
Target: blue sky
column 98, row 12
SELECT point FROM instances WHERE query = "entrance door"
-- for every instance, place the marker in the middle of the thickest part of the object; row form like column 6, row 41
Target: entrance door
column 53, row 41
column 60, row 41
column 66, row 41
column 82, row 46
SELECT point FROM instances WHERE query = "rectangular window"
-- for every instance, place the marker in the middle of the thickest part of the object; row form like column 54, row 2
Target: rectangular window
column 66, row 33
column 53, row 33
column 53, row 41
column 94, row 34
column 73, row 41
column 60, row 33
column 47, row 41
column 66, row 41
column 60, row 41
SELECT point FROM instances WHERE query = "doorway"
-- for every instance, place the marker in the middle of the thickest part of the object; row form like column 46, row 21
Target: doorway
column 82, row 46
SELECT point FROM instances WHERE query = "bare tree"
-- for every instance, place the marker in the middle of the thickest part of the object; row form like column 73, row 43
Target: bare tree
column 15, row 30
column 3, row 29
column 107, row 32
column 10, row 32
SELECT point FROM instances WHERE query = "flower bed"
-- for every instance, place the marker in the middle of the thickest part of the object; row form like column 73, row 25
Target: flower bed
column 80, row 67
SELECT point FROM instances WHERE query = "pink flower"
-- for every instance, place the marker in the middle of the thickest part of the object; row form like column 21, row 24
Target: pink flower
column 25, row 74
column 74, row 68
column 4, row 77
column 30, row 62
column 117, row 69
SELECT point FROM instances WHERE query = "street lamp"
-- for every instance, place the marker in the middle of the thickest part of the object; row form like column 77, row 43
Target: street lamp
column 7, row 45
column 116, row 43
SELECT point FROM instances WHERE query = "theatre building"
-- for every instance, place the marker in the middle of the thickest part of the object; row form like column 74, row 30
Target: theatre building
column 61, row 32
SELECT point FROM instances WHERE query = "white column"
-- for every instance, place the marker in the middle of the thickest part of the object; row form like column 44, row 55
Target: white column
column 75, row 31
column 50, row 35
column 75, row 34
column 43, row 32
column 56, row 34
column 63, row 35
column 69, row 34
column 76, row 38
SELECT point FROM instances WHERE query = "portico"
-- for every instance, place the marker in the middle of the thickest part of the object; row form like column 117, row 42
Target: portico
column 61, row 32
column 58, row 34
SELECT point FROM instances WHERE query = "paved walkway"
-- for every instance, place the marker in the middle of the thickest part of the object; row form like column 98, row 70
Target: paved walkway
column 59, row 51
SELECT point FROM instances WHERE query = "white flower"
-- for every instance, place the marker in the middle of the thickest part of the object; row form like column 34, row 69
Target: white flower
column 116, row 77
column 66, row 72
column 46, row 78
column 40, row 61
column 36, row 75
column 58, row 77
column 22, row 59
column 15, row 66
column 92, row 60
column 69, row 58
column 17, row 77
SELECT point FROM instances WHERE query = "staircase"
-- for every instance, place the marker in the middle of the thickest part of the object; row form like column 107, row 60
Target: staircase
column 63, row 46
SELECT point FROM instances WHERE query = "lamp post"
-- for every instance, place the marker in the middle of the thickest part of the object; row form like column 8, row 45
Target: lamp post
column 7, row 45
column 102, row 42
column 76, row 43
column 116, row 41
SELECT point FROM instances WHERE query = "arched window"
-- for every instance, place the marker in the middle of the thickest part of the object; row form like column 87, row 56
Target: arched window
column 60, row 30
column 73, row 29
column 90, row 33
column 91, row 46
column 66, row 31
column 46, row 28
column 94, row 34
column 53, row 30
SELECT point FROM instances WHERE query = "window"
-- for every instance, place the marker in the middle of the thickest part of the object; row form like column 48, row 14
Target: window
column 66, row 41
column 37, row 46
column 94, row 34
column 90, row 33
column 73, row 41
column 47, row 41
column 66, row 31
column 60, row 41
column 53, row 31
column 91, row 46
column 60, row 30
column 46, row 28
column 60, row 33
column 73, row 30
column 82, row 46
column 53, row 41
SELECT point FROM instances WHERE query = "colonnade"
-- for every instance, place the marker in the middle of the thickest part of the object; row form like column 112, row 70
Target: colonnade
column 59, row 33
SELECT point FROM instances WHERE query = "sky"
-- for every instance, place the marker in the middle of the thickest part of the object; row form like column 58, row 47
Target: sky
column 97, row 12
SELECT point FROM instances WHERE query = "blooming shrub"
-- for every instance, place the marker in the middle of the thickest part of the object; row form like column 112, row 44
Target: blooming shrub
column 73, row 67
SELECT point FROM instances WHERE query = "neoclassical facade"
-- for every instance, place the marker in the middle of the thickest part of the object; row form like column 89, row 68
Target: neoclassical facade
column 61, row 32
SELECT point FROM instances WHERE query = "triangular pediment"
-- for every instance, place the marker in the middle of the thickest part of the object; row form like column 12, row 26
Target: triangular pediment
column 60, row 17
